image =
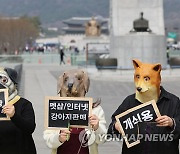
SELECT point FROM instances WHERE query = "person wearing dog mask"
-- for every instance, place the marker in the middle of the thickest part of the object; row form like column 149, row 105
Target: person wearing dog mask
column 75, row 83
column 147, row 81
column 16, row 133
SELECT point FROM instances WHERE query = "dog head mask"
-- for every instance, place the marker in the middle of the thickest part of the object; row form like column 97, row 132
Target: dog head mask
column 73, row 83
column 8, row 80
column 147, row 79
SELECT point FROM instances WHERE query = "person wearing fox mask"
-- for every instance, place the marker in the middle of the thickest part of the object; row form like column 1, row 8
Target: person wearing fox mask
column 16, row 133
column 147, row 81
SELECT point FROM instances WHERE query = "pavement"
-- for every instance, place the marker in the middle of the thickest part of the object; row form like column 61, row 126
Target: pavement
column 112, row 86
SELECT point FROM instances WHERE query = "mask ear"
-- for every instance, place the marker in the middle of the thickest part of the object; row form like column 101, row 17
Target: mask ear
column 86, row 81
column 13, row 75
column 157, row 67
column 136, row 63
column 60, row 83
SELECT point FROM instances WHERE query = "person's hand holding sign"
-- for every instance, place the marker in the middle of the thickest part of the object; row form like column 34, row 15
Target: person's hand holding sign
column 116, row 125
column 9, row 110
column 164, row 121
column 94, row 122
column 63, row 135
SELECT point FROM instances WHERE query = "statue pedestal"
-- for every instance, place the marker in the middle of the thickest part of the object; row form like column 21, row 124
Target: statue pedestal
column 143, row 46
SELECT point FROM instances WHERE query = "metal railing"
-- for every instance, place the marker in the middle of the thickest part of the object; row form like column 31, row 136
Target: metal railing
column 44, row 58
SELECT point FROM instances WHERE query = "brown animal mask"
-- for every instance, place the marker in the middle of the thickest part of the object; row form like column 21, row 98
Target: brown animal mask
column 73, row 83
column 147, row 81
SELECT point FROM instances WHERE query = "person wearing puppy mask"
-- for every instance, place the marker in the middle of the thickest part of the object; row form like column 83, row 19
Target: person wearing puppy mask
column 16, row 133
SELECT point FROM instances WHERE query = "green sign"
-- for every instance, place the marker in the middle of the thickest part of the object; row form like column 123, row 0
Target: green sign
column 172, row 35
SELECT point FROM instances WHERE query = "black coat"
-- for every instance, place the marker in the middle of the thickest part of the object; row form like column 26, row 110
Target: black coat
column 16, row 134
column 169, row 105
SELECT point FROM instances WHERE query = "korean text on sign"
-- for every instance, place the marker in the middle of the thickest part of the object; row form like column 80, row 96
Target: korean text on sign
column 64, row 116
column 139, row 117
column 69, row 106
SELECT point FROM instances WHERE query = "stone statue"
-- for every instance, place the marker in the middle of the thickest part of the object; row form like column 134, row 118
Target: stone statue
column 92, row 28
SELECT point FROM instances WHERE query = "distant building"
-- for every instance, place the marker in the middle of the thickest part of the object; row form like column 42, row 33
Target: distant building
column 79, row 31
column 76, row 25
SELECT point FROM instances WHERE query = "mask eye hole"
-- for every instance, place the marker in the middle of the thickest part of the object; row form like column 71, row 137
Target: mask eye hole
column 146, row 78
column 4, row 79
column 79, row 78
column 66, row 78
column 137, row 76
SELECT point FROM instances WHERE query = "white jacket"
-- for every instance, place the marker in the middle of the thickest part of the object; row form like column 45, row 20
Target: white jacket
column 52, row 136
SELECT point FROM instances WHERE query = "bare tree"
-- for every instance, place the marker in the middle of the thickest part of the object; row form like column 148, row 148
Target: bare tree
column 16, row 33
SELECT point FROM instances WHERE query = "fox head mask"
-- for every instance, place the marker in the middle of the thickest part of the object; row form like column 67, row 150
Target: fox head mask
column 147, row 81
